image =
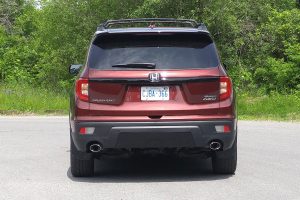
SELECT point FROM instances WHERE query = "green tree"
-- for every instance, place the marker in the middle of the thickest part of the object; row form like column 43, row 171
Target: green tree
column 281, row 39
column 258, row 40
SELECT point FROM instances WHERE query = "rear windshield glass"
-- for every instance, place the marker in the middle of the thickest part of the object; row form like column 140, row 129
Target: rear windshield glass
column 166, row 51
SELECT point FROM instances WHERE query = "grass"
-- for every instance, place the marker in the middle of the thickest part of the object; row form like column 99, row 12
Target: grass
column 25, row 100
column 273, row 107
column 16, row 100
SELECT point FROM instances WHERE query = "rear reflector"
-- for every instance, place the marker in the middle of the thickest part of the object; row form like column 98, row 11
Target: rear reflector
column 222, row 128
column 86, row 130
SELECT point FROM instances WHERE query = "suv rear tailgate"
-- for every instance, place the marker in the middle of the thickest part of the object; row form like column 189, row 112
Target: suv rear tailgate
column 191, row 92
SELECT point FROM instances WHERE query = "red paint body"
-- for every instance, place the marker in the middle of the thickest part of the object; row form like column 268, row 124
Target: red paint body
column 185, row 97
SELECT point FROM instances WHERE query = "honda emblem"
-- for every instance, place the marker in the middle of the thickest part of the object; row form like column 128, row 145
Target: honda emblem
column 154, row 77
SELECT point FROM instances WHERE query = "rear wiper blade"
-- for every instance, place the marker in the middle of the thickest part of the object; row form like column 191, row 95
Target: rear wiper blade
column 137, row 65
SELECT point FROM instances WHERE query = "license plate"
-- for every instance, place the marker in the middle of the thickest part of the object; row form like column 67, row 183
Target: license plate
column 155, row 93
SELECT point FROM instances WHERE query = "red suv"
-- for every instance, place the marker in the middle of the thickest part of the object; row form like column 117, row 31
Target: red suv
column 152, row 85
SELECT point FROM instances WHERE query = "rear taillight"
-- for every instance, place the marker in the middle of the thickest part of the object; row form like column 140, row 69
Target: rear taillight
column 225, row 88
column 82, row 89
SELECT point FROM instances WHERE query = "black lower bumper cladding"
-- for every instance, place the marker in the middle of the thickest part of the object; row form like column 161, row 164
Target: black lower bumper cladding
column 185, row 134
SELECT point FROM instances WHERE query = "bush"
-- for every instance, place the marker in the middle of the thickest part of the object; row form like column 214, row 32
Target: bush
column 259, row 41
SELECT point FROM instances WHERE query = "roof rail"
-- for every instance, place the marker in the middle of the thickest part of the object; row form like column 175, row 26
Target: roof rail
column 188, row 22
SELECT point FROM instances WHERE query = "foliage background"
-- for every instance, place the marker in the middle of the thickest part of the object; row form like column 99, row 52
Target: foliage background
column 258, row 40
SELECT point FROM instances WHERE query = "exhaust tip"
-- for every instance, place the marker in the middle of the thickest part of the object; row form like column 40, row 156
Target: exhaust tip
column 215, row 145
column 95, row 148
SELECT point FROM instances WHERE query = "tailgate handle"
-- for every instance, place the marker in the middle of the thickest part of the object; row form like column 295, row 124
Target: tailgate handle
column 155, row 116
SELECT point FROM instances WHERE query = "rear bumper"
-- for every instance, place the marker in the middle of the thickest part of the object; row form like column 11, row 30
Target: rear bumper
column 172, row 134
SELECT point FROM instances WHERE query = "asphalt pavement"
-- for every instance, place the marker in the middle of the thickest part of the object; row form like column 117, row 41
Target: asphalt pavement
column 34, row 164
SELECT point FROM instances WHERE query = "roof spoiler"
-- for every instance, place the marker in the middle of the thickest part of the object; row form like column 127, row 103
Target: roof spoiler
column 152, row 23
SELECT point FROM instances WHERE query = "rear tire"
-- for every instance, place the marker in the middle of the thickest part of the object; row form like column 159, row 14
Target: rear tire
column 82, row 163
column 225, row 162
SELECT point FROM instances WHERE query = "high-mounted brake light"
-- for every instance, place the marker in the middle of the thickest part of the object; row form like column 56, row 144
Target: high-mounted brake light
column 82, row 89
column 225, row 88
